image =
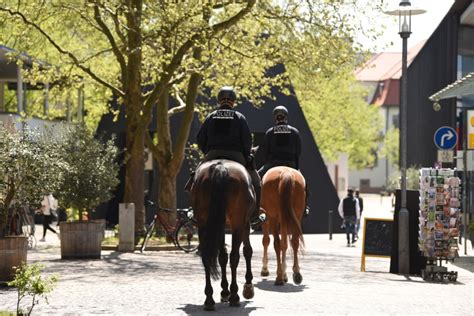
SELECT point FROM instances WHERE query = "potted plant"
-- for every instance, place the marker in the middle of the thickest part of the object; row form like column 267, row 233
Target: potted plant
column 30, row 167
column 89, row 181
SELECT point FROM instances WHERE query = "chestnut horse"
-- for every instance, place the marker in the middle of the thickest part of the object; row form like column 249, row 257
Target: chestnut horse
column 223, row 192
column 283, row 199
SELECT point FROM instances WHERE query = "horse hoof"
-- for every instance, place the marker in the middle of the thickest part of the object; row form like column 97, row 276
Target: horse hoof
column 248, row 292
column 234, row 304
column 285, row 279
column 297, row 278
column 224, row 297
column 264, row 273
column 209, row 308
column 234, row 300
column 279, row 282
column 209, row 304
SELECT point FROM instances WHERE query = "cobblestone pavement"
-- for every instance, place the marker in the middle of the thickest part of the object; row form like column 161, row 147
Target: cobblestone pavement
column 172, row 283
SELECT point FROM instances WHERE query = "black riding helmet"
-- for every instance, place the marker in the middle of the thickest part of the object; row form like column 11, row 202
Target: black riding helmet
column 226, row 93
column 280, row 113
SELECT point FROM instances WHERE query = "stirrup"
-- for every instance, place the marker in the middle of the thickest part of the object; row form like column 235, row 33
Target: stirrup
column 306, row 211
column 257, row 222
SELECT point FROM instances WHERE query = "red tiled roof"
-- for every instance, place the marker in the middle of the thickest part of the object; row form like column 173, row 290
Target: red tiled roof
column 387, row 65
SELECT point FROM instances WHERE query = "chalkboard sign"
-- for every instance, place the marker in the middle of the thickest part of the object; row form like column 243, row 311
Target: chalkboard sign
column 377, row 241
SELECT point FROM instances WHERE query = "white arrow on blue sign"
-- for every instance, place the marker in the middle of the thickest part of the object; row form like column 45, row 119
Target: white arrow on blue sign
column 445, row 138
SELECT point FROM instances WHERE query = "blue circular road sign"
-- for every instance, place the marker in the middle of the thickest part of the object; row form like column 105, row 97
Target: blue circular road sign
column 445, row 138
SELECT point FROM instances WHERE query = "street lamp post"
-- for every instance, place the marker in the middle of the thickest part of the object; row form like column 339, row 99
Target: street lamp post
column 404, row 13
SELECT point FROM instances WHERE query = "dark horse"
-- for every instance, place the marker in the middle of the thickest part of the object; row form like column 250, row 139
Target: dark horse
column 283, row 199
column 223, row 193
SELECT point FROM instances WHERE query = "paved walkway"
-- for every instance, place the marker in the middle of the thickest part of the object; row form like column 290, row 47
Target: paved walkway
column 172, row 283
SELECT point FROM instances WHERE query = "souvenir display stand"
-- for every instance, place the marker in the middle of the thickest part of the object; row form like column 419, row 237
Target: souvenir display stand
column 440, row 216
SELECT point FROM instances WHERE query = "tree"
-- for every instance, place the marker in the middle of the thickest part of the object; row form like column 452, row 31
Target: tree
column 30, row 167
column 92, row 173
column 339, row 117
column 148, row 52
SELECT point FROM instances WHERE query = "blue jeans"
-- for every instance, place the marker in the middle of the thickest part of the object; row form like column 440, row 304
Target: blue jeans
column 349, row 223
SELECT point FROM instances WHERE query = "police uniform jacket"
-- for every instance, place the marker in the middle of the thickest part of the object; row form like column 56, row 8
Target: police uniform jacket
column 225, row 129
column 282, row 142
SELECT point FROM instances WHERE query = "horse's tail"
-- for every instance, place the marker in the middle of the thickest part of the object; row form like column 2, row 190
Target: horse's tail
column 214, row 231
column 288, row 215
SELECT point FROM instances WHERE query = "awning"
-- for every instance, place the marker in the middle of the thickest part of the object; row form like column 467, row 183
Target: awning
column 461, row 87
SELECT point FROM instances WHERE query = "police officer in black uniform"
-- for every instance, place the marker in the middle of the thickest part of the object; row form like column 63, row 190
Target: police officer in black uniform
column 281, row 145
column 225, row 134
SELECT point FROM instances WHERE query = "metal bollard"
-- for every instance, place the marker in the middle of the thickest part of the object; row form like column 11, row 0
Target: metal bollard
column 403, row 242
column 330, row 224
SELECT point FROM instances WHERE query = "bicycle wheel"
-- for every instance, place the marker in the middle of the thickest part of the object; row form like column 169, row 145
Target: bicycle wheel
column 187, row 237
column 148, row 234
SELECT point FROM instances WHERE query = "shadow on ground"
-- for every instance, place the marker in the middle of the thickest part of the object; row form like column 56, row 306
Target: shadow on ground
column 465, row 263
column 269, row 285
column 221, row 308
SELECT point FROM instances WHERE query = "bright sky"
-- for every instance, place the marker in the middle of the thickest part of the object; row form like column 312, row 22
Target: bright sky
column 422, row 25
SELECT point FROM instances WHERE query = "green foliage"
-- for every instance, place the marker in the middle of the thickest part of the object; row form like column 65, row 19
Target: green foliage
column 338, row 116
column 30, row 167
column 391, row 144
column 187, row 48
column 29, row 283
column 413, row 179
column 92, row 169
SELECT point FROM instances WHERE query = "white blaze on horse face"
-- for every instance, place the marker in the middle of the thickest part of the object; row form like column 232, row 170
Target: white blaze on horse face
column 223, row 115
column 281, row 129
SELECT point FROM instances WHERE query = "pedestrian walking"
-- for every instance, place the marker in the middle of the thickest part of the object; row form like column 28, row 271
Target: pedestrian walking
column 49, row 206
column 349, row 210
column 361, row 206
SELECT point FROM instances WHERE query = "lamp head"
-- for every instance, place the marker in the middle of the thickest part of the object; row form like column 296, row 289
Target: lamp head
column 404, row 13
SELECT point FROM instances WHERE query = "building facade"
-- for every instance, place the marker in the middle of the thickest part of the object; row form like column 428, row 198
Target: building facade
column 381, row 77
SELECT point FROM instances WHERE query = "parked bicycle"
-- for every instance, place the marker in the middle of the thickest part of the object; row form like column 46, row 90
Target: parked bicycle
column 184, row 233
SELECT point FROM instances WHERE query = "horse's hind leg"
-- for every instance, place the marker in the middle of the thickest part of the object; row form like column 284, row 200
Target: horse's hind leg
column 283, row 249
column 223, row 259
column 277, row 245
column 265, row 243
column 209, row 304
column 297, row 278
column 234, row 298
column 248, row 291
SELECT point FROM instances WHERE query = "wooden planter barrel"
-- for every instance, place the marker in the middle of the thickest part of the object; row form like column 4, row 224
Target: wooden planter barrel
column 81, row 240
column 13, row 252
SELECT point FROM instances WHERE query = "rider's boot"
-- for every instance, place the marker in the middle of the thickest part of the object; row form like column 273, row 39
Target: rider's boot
column 306, row 209
column 257, row 218
column 189, row 183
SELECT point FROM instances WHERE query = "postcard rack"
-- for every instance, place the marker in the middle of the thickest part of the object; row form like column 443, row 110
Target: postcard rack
column 439, row 218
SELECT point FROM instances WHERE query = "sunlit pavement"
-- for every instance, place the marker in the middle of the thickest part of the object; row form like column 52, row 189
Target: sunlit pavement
column 172, row 283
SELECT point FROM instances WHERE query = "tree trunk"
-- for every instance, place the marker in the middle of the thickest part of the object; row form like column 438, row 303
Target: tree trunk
column 136, row 126
column 134, row 174
column 167, row 194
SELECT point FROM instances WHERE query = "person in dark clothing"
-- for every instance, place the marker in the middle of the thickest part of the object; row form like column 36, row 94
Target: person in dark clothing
column 361, row 206
column 281, row 145
column 349, row 210
column 225, row 134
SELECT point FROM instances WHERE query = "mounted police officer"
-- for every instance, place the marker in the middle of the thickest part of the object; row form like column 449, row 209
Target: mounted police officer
column 225, row 134
column 281, row 145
